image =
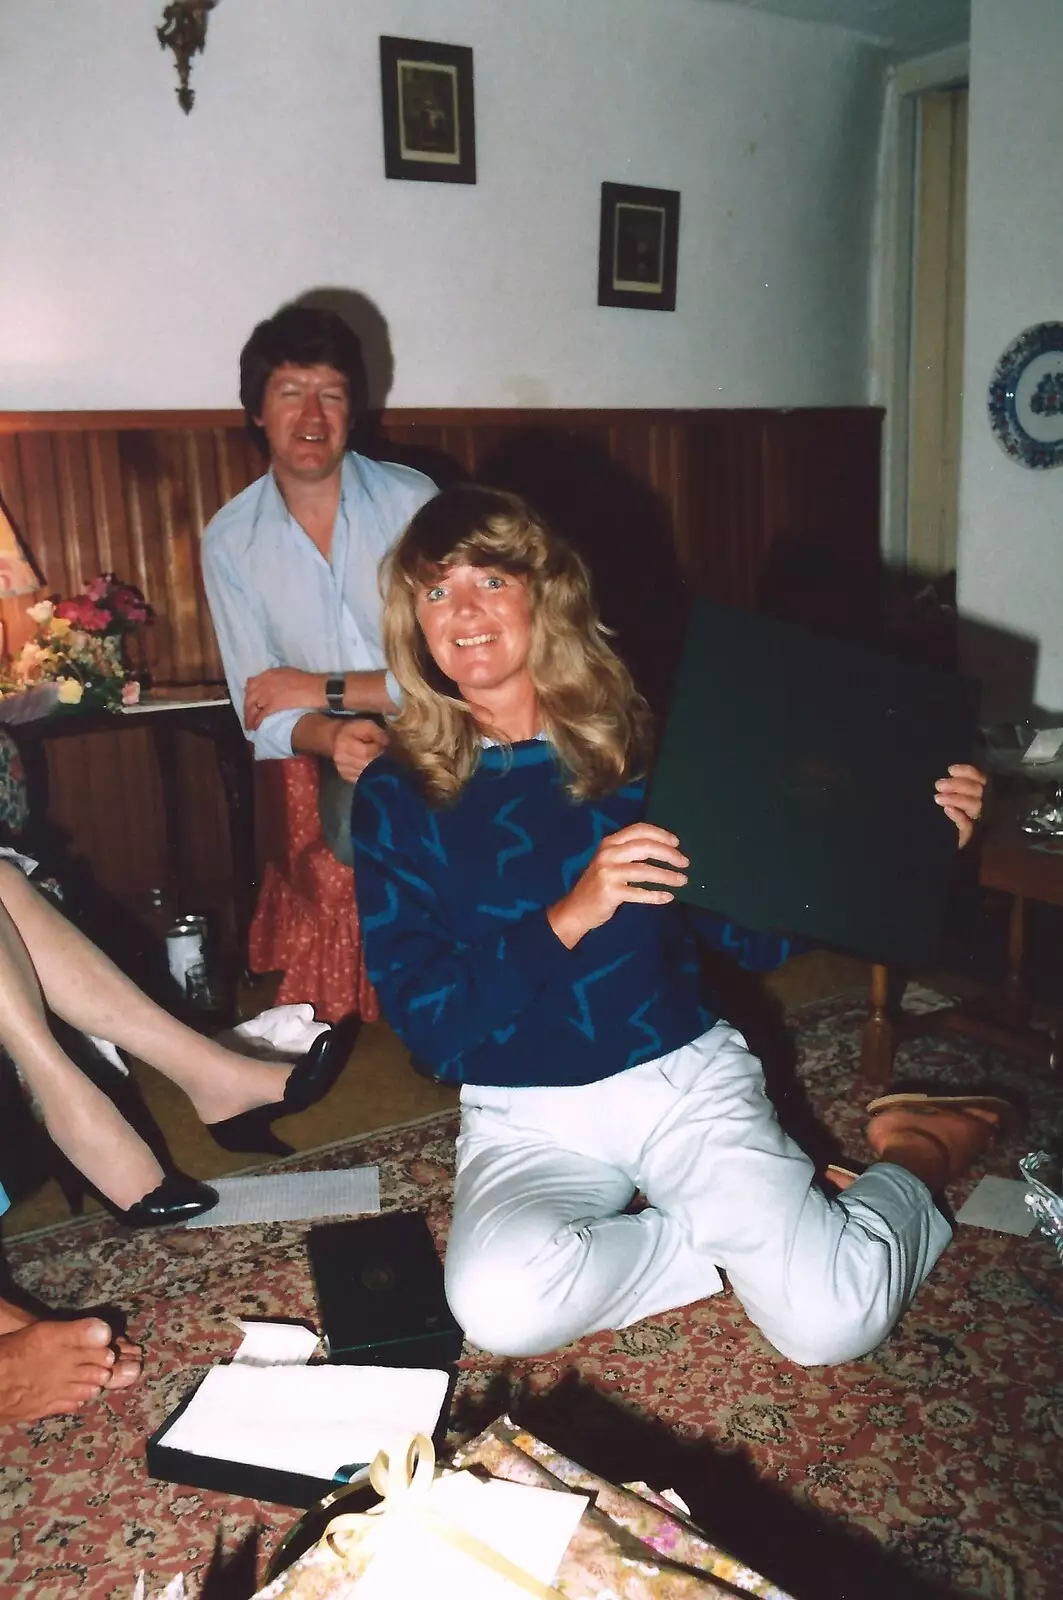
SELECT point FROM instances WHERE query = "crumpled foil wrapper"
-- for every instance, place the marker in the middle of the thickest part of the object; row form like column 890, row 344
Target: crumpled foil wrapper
column 1046, row 1205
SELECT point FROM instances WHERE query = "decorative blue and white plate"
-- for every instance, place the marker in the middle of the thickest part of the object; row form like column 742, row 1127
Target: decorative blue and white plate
column 1026, row 397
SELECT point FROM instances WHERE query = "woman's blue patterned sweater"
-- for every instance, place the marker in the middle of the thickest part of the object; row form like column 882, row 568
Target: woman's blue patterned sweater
column 452, row 901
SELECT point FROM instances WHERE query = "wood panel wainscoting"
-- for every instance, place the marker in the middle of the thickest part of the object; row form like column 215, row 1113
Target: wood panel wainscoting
column 729, row 504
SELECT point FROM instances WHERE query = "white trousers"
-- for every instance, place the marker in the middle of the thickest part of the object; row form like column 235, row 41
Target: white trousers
column 540, row 1254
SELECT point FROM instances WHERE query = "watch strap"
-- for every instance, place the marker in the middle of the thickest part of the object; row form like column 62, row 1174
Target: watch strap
column 335, row 688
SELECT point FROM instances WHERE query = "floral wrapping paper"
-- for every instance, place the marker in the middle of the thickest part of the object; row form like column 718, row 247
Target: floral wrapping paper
column 628, row 1545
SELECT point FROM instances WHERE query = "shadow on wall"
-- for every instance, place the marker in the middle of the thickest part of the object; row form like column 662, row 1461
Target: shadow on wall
column 618, row 525
column 1006, row 666
column 364, row 317
column 816, row 586
column 622, row 531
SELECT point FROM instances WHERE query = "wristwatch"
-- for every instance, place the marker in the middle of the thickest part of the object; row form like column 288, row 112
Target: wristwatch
column 335, row 685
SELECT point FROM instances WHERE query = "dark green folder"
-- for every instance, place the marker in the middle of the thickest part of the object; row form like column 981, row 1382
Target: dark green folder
column 798, row 771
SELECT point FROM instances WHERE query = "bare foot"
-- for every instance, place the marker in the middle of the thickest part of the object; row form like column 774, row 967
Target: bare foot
column 127, row 1367
column 48, row 1368
column 937, row 1143
column 13, row 1317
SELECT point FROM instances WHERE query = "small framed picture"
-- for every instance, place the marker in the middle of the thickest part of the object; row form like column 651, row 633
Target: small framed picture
column 638, row 248
column 429, row 130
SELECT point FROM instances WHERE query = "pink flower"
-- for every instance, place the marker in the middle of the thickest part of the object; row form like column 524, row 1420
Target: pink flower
column 131, row 692
column 97, row 588
column 97, row 620
column 74, row 610
column 130, row 604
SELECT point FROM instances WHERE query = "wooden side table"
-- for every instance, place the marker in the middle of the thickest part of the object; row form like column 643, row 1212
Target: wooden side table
column 1025, row 868
column 212, row 719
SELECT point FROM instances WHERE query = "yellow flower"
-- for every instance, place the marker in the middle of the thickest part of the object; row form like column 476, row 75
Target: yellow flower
column 70, row 691
column 41, row 612
column 59, row 627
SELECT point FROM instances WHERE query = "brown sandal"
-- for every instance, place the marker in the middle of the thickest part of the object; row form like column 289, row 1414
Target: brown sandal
column 1008, row 1116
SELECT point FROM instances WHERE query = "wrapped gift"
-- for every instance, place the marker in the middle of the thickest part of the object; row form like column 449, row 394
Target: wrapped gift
column 466, row 1531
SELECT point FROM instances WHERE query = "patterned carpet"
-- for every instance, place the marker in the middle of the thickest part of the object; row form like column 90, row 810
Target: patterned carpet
column 931, row 1468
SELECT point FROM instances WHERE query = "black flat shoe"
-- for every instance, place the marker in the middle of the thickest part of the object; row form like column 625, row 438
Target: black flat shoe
column 176, row 1199
column 308, row 1082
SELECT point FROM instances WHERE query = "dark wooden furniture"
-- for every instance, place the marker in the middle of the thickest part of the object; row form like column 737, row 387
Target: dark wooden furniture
column 1024, row 869
column 702, row 500
column 215, row 724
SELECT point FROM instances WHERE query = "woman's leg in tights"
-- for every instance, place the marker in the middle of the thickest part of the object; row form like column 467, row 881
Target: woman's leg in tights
column 81, row 985
column 80, row 1118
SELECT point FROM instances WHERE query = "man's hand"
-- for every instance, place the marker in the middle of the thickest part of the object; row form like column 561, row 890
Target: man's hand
column 619, row 865
column 358, row 742
column 282, row 689
column 960, row 796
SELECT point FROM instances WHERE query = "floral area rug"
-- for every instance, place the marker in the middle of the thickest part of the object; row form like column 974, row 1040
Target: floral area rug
column 931, row 1468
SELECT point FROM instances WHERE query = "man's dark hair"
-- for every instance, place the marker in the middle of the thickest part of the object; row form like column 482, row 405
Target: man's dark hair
column 300, row 336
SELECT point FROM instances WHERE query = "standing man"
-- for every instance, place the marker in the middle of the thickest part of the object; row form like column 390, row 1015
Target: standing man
column 291, row 564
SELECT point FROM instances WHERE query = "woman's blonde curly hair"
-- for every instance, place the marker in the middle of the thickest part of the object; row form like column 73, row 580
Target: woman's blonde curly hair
column 598, row 724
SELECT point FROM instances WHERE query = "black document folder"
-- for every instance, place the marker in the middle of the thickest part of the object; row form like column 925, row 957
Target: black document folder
column 798, row 772
column 379, row 1284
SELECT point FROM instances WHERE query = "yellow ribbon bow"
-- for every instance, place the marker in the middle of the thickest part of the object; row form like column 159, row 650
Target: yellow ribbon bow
column 405, row 1484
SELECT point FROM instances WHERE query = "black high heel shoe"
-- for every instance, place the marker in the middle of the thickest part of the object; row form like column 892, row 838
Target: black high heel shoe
column 176, row 1199
column 308, row 1082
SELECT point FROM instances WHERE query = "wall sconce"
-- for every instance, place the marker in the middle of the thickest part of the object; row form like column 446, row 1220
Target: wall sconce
column 184, row 31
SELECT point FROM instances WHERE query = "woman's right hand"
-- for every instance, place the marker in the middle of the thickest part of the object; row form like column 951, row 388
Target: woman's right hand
column 607, row 882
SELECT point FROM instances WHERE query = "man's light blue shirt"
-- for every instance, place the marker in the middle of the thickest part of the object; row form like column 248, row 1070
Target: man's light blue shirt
column 276, row 602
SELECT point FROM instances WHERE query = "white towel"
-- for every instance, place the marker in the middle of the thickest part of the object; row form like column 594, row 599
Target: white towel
column 279, row 1034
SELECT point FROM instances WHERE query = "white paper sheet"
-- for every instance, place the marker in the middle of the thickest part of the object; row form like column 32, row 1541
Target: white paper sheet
column 312, row 1420
column 529, row 1526
column 1045, row 746
column 292, row 1197
column 999, row 1203
column 160, row 703
column 275, row 1344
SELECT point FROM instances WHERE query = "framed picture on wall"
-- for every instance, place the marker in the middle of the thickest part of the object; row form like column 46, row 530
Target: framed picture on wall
column 429, row 130
column 638, row 248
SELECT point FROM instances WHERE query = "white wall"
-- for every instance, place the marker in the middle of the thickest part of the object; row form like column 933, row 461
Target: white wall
column 1011, row 517
column 140, row 245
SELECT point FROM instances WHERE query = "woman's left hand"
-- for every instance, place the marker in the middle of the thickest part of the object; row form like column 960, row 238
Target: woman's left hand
column 960, row 796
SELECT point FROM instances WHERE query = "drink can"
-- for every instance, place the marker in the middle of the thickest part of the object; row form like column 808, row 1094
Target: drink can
column 186, row 952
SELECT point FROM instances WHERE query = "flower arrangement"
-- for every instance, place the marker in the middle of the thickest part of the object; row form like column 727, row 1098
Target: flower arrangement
column 79, row 644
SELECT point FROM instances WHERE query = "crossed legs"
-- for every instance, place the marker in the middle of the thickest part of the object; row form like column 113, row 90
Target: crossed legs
column 46, row 961
column 50, row 1366
column 540, row 1253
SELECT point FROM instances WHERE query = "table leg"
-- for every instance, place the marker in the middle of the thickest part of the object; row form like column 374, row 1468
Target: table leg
column 234, row 768
column 877, row 1041
column 1016, row 996
column 162, row 737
